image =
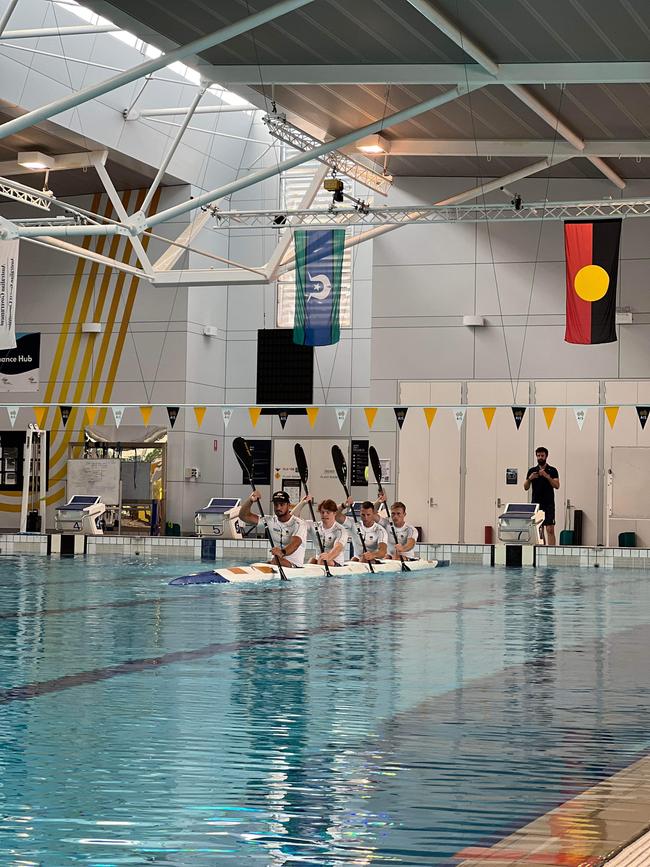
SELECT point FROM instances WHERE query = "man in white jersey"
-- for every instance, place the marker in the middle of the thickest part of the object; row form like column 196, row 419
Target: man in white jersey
column 406, row 534
column 374, row 536
column 333, row 536
column 288, row 532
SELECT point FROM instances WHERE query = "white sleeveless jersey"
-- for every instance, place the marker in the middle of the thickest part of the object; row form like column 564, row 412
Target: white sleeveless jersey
column 403, row 534
column 281, row 533
column 335, row 535
column 373, row 537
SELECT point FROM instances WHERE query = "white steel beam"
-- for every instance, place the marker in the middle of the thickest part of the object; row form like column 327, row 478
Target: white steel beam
column 90, row 255
column 415, row 147
column 617, row 72
column 209, row 277
column 244, row 25
column 6, row 15
column 171, row 256
column 300, row 158
column 73, row 30
column 224, row 108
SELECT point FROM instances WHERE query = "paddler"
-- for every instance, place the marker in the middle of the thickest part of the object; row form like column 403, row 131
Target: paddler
column 333, row 535
column 289, row 533
column 407, row 534
column 374, row 536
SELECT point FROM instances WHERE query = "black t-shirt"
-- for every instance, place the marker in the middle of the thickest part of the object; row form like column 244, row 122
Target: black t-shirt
column 543, row 490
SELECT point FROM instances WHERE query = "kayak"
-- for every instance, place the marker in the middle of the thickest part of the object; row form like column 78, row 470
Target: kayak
column 268, row 572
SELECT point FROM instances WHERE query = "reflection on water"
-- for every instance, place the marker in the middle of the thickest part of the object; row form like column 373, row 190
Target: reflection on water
column 335, row 722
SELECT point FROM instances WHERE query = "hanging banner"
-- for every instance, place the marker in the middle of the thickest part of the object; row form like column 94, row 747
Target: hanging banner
column 145, row 412
column 65, row 414
column 371, row 412
column 430, row 414
column 40, row 413
column 91, row 414
column 312, row 414
column 488, row 415
column 283, row 415
column 642, row 412
column 319, row 266
column 518, row 413
column 226, row 415
column 580, row 413
column 254, row 412
column 8, row 279
column 172, row 415
column 591, row 249
column 20, row 367
column 549, row 415
column 459, row 415
column 611, row 412
column 118, row 414
column 199, row 414
column 400, row 414
column 341, row 415
column 13, row 414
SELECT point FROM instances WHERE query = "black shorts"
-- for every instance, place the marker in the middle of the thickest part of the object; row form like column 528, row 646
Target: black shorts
column 549, row 514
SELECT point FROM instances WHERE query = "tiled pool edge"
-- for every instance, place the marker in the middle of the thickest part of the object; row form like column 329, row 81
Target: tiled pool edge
column 184, row 547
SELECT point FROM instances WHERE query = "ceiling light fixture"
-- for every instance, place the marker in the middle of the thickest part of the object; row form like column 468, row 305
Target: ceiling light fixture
column 373, row 144
column 35, row 161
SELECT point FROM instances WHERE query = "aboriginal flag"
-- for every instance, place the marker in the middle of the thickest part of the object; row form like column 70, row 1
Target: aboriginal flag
column 591, row 276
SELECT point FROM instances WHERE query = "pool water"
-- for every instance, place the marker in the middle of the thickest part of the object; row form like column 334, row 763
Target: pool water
column 392, row 720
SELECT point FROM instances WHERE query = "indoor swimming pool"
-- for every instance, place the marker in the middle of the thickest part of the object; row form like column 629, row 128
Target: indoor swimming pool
column 384, row 720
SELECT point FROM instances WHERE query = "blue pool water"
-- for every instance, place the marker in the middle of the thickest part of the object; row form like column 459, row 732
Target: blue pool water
column 385, row 720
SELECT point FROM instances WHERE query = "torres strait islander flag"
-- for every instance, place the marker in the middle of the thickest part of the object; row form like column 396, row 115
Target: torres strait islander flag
column 591, row 248
column 319, row 266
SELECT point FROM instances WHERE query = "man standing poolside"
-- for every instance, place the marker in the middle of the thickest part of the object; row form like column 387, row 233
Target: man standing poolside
column 545, row 481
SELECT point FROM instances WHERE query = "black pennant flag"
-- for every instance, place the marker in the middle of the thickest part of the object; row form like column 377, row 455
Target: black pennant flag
column 172, row 412
column 65, row 414
column 283, row 415
column 642, row 412
column 518, row 412
column 400, row 414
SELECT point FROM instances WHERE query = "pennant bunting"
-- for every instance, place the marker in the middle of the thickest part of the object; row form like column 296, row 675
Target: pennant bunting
column 283, row 415
column 459, row 415
column 430, row 414
column 172, row 415
column 580, row 413
column 254, row 412
column 611, row 412
column 549, row 415
column 518, row 413
column 226, row 415
column 65, row 414
column 400, row 414
column 642, row 412
column 40, row 412
column 91, row 414
column 199, row 414
column 312, row 415
column 371, row 412
column 341, row 415
column 488, row 415
column 145, row 412
column 13, row 414
column 118, row 414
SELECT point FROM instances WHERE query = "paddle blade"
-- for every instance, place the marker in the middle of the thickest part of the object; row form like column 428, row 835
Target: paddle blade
column 340, row 465
column 244, row 456
column 375, row 464
column 301, row 463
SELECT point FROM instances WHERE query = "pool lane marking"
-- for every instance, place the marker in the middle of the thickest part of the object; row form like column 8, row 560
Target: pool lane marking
column 97, row 606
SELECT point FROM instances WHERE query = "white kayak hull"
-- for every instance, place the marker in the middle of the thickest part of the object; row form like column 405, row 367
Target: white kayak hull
column 268, row 572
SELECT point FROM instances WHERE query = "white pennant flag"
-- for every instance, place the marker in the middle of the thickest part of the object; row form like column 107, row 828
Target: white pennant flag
column 580, row 414
column 13, row 414
column 459, row 415
column 118, row 413
column 8, row 279
column 226, row 414
column 341, row 415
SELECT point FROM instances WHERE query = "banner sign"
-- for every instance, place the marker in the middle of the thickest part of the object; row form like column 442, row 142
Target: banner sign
column 8, row 279
column 20, row 367
column 319, row 265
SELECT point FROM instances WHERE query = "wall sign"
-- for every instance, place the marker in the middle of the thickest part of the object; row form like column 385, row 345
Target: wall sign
column 359, row 462
column 19, row 367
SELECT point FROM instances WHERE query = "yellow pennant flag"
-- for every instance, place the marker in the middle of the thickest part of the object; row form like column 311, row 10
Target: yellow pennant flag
column 430, row 414
column 611, row 412
column 145, row 412
column 312, row 415
column 91, row 414
column 488, row 415
column 199, row 414
column 255, row 413
column 40, row 412
column 371, row 412
column 549, row 415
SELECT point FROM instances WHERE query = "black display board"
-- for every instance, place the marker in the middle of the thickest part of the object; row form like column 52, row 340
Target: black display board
column 261, row 451
column 285, row 370
column 359, row 462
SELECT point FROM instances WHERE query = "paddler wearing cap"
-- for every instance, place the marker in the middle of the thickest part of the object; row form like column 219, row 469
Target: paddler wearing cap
column 289, row 533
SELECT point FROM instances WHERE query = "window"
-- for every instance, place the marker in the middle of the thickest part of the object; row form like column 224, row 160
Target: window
column 294, row 185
